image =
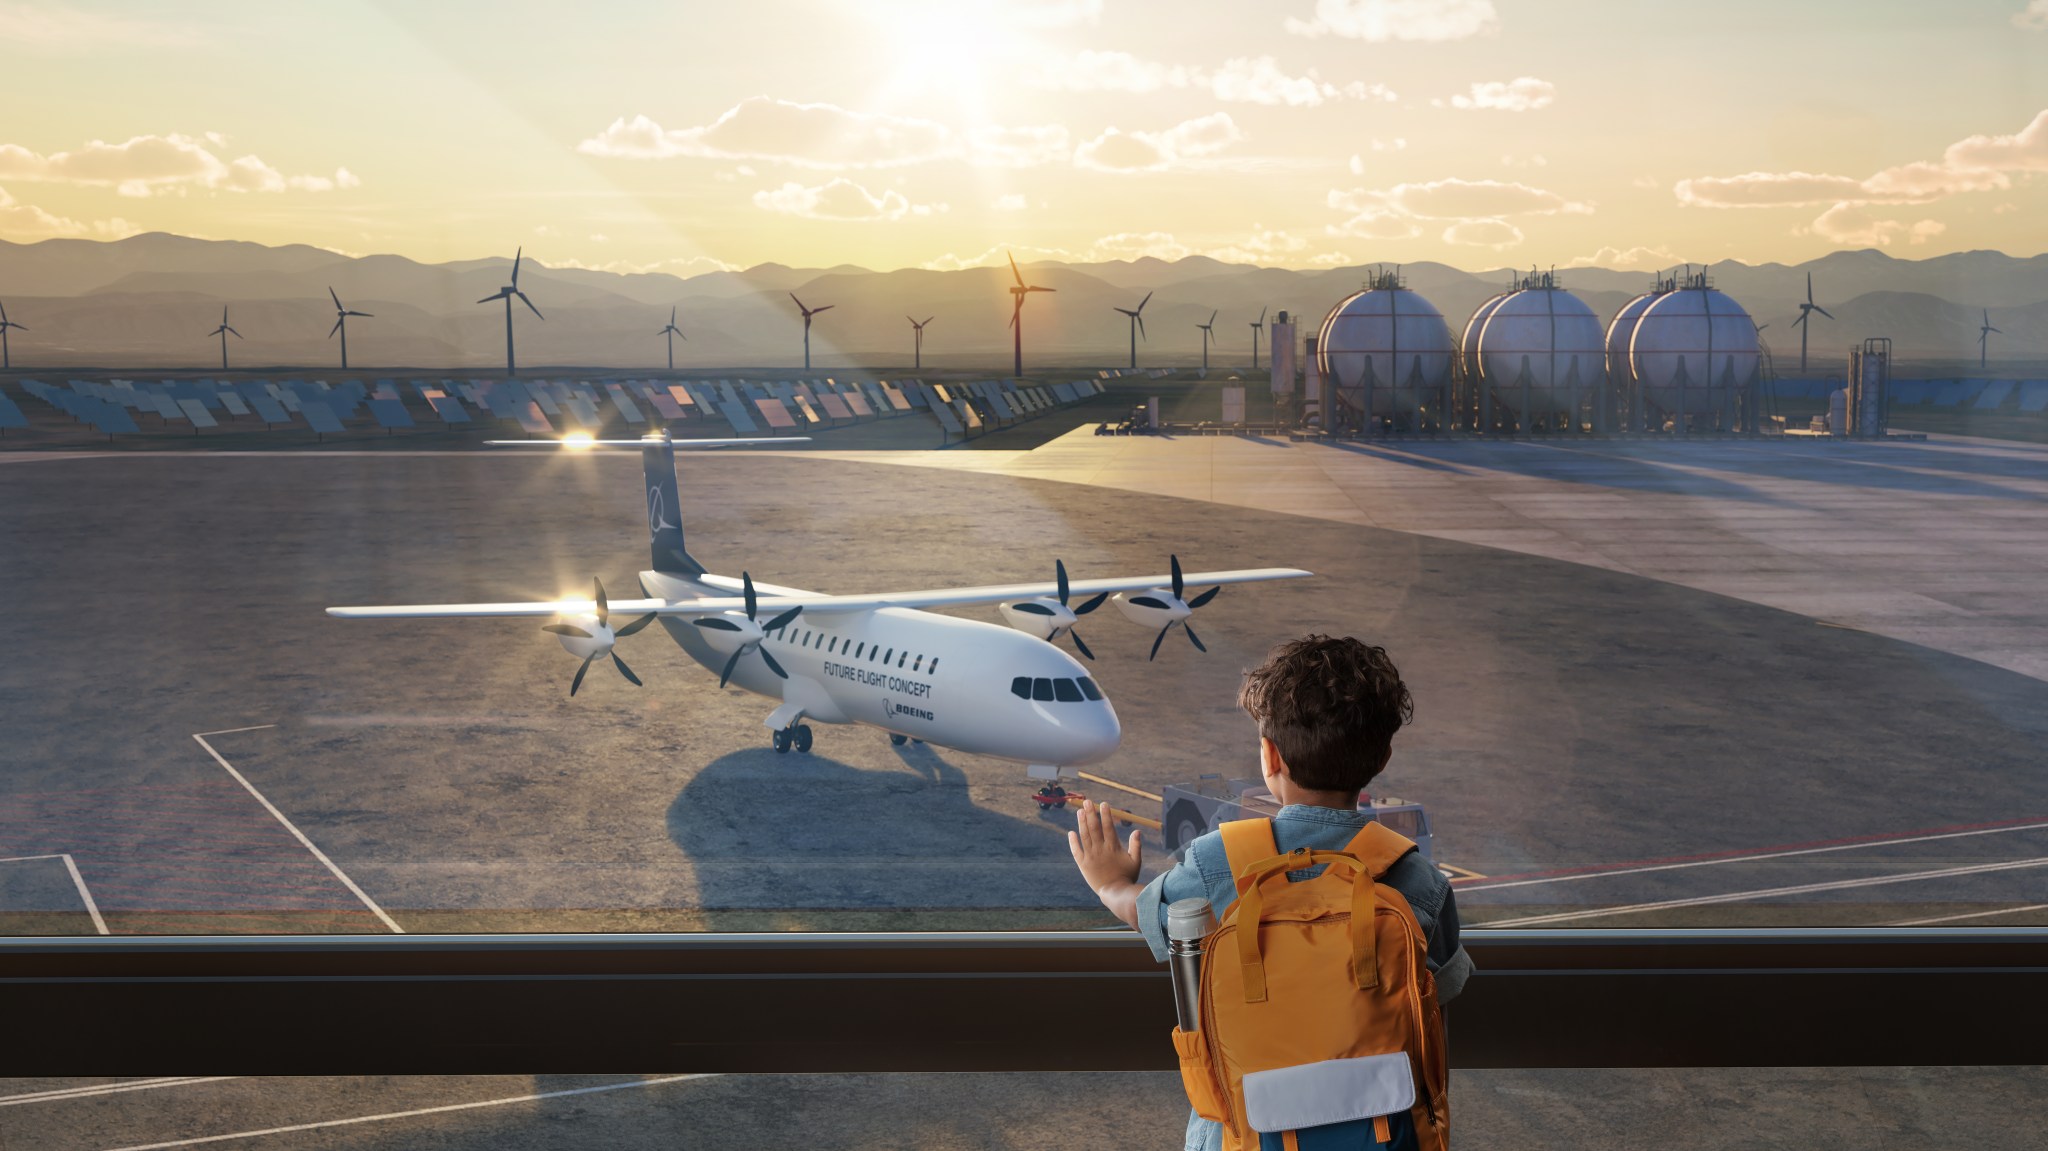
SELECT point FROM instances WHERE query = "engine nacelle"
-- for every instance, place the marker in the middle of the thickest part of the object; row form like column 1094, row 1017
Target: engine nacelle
column 728, row 631
column 1153, row 608
column 1041, row 617
column 596, row 640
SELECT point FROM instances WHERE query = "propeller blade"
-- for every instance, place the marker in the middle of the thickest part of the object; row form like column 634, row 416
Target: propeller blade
column 337, row 299
column 1092, row 604
column 783, row 620
column 1078, row 645
column 1175, row 560
column 529, row 304
column 626, row 671
column 747, row 588
column 603, row 605
column 729, row 665
column 578, row 681
column 334, row 329
column 568, row 629
column 1823, row 311
column 636, row 625
column 1205, row 597
column 1192, row 638
column 1059, row 568
column 772, row 665
column 1156, row 640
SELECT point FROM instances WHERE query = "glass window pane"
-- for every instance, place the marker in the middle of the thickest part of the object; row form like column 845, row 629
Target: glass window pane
column 1066, row 691
column 1021, row 687
column 1041, row 689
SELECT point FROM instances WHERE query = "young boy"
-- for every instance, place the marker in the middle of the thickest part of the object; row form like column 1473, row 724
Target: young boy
column 1327, row 710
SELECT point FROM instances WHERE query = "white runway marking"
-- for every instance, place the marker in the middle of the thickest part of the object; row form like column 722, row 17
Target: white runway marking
column 296, row 833
column 412, row 1114
column 60, row 1094
column 1748, row 858
column 77, row 881
column 1969, row 915
column 1766, row 893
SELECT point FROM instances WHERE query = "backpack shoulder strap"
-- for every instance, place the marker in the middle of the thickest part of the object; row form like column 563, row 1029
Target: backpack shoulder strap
column 1245, row 842
column 1378, row 846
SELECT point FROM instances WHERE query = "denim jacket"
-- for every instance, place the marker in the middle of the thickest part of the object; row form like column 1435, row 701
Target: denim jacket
column 1204, row 872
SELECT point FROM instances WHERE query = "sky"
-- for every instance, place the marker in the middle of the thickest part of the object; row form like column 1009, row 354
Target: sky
column 641, row 136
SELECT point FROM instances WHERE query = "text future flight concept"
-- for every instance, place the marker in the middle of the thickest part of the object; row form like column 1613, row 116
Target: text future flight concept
column 876, row 659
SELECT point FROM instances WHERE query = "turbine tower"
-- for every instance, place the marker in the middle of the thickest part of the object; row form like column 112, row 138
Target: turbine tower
column 341, row 316
column 917, row 329
column 506, row 293
column 1984, row 335
column 672, row 332
column 808, row 313
column 1806, row 311
column 6, row 357
column 1137, row 316
column 1256, row 329
column 1208, row 334
column 1017, row 294
column 224, row 332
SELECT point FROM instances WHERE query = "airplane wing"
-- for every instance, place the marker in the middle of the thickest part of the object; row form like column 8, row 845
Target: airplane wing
column 813, row 603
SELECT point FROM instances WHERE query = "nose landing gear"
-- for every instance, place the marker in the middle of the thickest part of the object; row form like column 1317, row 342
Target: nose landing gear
column 798, row 737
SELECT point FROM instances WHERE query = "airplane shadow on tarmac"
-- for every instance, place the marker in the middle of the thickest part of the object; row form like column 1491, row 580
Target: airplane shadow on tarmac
column 806, row 834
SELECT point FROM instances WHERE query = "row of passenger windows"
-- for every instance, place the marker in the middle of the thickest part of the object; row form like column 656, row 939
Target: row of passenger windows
column 1062, row 690
column 872, row 652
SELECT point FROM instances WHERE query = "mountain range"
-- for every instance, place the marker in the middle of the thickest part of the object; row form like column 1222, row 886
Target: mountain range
column 148, row 301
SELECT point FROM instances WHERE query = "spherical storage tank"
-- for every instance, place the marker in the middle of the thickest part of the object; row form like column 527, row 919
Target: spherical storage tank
column 1538, row 346
column 1691, row 349
column 1390, row 341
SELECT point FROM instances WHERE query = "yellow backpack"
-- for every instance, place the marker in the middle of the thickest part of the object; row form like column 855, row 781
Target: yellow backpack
column 1319, row 1019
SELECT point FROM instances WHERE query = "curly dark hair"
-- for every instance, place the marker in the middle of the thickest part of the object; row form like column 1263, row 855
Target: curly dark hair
column 1331, row 708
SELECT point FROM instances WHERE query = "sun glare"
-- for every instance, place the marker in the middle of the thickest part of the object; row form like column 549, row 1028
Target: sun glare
column 578, row 440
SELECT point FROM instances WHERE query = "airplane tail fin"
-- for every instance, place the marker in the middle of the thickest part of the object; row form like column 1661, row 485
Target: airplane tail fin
column 665, row 510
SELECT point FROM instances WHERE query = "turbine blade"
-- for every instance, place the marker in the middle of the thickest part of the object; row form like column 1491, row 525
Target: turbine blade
column 234, row 333
column 1143, row 302
column 826, row 308
column 1156, row 641
column 800, row 304
column 1192, row 638
column 1014, row 271
column 578, row 681
column 516, row 256
column 636, row 625
column 334, row 329
column 772, row 665
column 1078, row 645
column 1092, row 604
column 529, row 304
column 337, row 299
column 626, row 671
column 1141, row 327
column 725, row 675
column 928, row 319
column 488, row 299
column 1823, row 311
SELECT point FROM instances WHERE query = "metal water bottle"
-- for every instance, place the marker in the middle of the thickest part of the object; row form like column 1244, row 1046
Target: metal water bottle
column 1188, row 922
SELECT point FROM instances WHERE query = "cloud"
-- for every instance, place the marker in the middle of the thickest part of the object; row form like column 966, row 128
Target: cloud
column 1240, row 80
column 684, row 266
column 1495, row 234
column 1638, row 257
column 1766, row 189
column 1925, row 230
column 1264, row 244
column 1097, row 71
column 1024, row 147
column 1377, row 224
column 1119, row 151
column 1328, row 260
column 1523, row 94
column 1009, row 202
column 2024, row 151
column 1467, row 199
column 51, row 28
column 841, row 199
column 1379, row 21
column 142, row 165
column 822, row 136
column 2034, row 18
column 26, row 221
column 1261, row 80
column 999, row 256
column 1854, row 226
column 1137, row 245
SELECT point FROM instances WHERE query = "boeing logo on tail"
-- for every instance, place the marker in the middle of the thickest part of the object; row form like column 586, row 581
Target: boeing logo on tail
column 654, row 510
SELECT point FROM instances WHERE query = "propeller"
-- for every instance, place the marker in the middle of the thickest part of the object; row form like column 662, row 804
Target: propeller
column 601, row 640
column 1059, row 568
column 1179, row 585
column 759, row 631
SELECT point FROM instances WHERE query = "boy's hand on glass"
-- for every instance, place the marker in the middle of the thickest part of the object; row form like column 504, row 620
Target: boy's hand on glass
column 1096, row 852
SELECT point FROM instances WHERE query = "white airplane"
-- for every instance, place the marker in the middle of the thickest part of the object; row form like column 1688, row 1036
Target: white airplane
column 877, row 659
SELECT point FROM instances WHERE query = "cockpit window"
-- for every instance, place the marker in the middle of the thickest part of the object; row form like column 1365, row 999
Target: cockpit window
column 1065, row 691
column 1089, row 689
column 1021, row 687
column 1041, row 689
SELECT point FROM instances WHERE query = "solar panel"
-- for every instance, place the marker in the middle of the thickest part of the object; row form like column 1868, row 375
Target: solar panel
column 774, row 412
column 2034, row 396
column 113, row 419
column 896, row 397
column 1000, row 406
column 10, row 415
column 533, row 420
column 625, row 404
column 736, row 415
column 196, row 412
column 666, row 407
column 233, row 403
column 546, row 399
column 728, row 396
column 319, row 417
column 449, row 409
column 1064, row 393
column 859, row 404
column 269, row 410
column 948, row 420
column 809, row 410
column 1994, row 394
column 835, row 406
column 584, row 411
column 968, row 415
column 390, row 413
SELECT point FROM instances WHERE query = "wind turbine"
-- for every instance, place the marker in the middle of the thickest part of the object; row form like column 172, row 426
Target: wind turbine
column 1208, row 333
column 1017, row 312
column 224, row 332
column 1805, row 312
column 672, row 332
column 1984, row 335
column 1137, row 316
column 341, row 316
column 1256, row 329
column 918, row 329
column 506, row 293
column 6, row 357
column 808, row 313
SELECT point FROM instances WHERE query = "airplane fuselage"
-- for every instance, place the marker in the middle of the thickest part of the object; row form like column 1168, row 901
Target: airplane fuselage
column 976, row 687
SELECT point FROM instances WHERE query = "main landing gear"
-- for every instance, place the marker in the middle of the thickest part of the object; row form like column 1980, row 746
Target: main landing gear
column 798, row 737
column 899, row 740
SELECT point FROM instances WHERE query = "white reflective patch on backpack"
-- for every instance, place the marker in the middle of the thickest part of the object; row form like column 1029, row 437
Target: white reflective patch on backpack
column 1333, row 1091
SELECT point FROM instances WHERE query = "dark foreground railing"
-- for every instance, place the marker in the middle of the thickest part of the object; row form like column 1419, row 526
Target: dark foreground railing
column 973, row 1002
